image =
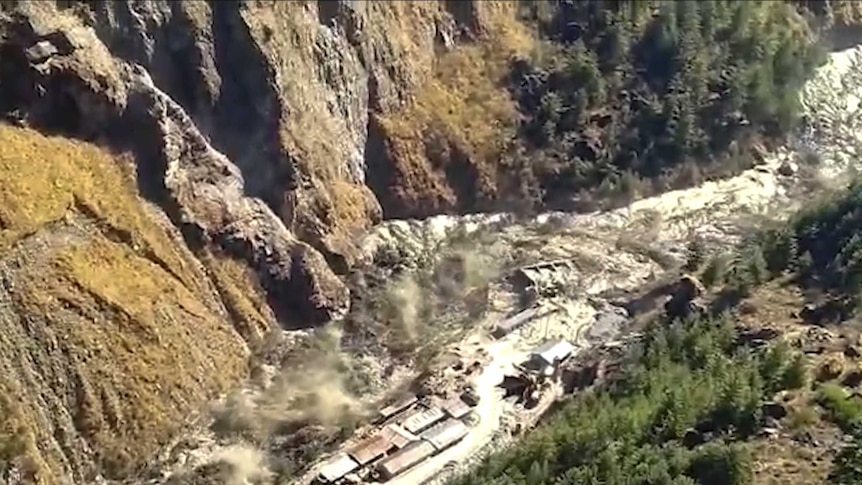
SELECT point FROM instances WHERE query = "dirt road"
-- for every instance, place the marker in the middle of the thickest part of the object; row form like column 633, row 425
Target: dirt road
column 492, row 410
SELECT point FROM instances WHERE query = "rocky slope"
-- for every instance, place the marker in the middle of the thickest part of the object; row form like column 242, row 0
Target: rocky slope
column 204, row 184
column 298, row 96
column 113, row 332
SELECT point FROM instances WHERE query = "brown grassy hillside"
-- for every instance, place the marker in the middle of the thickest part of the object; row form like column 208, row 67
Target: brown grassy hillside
column 112, row 333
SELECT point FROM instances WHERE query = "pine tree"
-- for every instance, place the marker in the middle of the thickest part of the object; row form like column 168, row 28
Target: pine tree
column 758, row 270
column 796, row 374
column 715, row 272
column 695, row 255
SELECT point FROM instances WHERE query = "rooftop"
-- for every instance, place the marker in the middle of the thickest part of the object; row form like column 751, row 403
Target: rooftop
column 455, row 407
column 370, row 449
column 336, row 467
column 555, row 349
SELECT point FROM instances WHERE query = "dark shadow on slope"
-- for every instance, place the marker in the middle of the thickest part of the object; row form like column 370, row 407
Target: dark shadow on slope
column 248, row 111
column 380, row 171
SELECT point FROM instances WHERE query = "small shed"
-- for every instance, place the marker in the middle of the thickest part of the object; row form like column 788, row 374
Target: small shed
column 401, row 461
column 549, row 352
column 336, row 467
column 421, row 419
column 446, row 434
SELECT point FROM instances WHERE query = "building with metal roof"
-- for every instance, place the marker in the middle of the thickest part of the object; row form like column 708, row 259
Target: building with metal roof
column 336, row 468
column 445, row 434
column 370, row 449
column 401, row 461
column 422, row 418
column 549, row 352
column 455, row 407
column 397, row 407
column 397, row 436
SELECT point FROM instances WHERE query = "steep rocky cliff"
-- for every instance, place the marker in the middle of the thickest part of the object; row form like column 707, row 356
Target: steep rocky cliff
column 179, row 178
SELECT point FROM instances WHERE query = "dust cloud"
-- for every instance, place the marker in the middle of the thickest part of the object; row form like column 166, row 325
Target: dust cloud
column 244, row 465
column 405, row 300
column 415, row 298
column 312, row 387
column 310, row 392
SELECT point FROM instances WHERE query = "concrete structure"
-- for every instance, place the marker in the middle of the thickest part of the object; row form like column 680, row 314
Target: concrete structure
column 550, row 352
column 401, row 461
column 445, row 434
column 546, row 278
column 336, row 468
column 422, row 419
column 507, row 325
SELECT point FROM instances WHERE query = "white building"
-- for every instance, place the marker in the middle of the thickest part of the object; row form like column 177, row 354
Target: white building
column 549, row 352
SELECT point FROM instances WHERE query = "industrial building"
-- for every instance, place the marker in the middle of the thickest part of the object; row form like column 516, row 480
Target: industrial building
column 370, row 449
column 397, row 407
column 397, row 436
column 422, row 418
column 455, row 407
column 544, row 279
column 336, row 468
column 413, row 432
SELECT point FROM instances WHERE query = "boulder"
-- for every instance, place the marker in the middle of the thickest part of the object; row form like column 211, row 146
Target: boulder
column 852, row 379
column 774, row 410
column 683, row 298
column 787, row 168
column 831, row 368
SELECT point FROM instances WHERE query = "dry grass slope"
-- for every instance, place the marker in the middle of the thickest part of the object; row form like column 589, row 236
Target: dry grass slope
column 122, row 325
column 43, row 179
column 242, row 294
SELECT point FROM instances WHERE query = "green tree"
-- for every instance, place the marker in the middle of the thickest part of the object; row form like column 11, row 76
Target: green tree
column 695, row 255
